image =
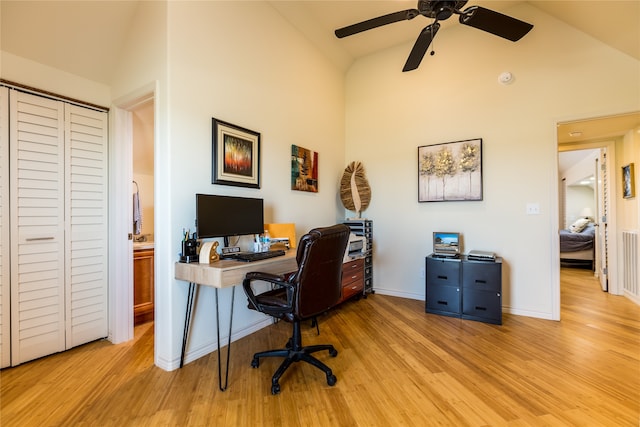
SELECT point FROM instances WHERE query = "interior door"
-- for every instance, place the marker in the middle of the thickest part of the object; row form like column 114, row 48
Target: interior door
column 86, row 240
column 603, row 210
column 36, row 157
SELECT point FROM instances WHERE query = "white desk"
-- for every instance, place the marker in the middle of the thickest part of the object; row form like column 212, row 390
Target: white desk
column 223, row 274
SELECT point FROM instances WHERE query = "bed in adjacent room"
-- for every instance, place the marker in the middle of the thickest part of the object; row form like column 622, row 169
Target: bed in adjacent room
column 577, row 244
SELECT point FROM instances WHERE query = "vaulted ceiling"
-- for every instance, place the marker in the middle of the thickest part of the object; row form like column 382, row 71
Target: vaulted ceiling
column 56, row 33
column 61, row 34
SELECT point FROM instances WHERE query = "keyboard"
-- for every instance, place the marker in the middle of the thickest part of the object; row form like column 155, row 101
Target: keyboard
column 254, row 256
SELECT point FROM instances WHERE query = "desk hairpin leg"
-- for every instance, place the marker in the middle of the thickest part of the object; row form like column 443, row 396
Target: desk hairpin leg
column 226, row 375
column 187, row 320
column 187, row 323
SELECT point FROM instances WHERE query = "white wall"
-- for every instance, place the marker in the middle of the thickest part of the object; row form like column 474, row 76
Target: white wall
column 24, row 71
column 559, row 73
column 240, row 62
column 629, row 209
column 579, row 197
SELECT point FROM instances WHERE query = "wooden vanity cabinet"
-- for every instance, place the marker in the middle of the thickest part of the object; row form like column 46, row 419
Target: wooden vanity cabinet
column 143, row 284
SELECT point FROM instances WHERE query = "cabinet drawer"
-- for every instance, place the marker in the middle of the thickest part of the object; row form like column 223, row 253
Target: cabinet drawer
column 443, row 299
column 352, row 288
column 353, row 276
column 443, row 272
column 351, row 268
column 482, row 276
column 482, row 305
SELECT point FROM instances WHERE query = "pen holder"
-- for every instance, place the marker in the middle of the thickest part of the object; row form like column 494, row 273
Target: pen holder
column 189, row 251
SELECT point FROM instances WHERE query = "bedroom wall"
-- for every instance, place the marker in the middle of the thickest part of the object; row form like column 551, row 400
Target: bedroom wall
column 24, row 71
column 629, row 209
column 579, row 197
column 240, row 62
column 559, row 74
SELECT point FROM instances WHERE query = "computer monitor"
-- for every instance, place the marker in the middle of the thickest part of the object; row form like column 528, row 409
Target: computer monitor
column 446, row 244
column 226, row 216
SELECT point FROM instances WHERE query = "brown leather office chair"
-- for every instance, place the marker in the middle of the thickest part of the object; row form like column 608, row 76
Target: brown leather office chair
column 313, row 289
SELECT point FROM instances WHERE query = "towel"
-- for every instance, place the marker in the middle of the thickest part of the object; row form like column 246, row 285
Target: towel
column 137, row 214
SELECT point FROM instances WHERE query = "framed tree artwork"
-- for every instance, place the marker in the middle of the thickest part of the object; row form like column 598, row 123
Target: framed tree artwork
column 236, row 155
column 450, row 172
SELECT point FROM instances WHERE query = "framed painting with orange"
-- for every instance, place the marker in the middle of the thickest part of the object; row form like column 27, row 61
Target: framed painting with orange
column 236, row 155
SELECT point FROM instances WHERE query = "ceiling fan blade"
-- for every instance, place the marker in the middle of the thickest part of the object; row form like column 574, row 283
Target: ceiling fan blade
column 420, row 47
column 376, row 22
column 495, row 23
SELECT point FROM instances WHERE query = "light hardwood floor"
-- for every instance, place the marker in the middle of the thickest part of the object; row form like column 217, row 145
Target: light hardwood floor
column 396, row 366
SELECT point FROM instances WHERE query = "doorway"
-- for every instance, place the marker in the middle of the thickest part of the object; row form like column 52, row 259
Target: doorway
column 600, row 133
column 121, row 244
column 143, row 212
column 583, row 206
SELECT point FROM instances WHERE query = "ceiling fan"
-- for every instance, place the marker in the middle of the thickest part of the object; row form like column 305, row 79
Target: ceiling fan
column 475, row 16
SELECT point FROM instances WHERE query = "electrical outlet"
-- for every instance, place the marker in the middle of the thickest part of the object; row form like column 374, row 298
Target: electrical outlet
column 533, row 209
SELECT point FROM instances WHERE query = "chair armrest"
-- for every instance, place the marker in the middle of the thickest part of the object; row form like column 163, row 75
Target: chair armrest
column 278, row 280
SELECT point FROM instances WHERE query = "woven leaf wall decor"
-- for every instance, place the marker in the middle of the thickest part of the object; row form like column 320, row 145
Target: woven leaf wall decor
column 355, row 192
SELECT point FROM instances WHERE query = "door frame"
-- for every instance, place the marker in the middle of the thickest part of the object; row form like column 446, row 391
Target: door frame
column 121, row 211
column 612, row 244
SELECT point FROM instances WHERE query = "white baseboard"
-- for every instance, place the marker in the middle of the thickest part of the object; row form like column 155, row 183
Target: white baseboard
column 211, row 346
column 395, row 293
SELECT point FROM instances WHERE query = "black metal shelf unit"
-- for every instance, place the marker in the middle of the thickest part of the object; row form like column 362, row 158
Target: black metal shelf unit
column 364, row 227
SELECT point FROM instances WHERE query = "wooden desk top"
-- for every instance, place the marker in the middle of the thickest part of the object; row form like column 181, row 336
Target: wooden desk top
column 224, row 273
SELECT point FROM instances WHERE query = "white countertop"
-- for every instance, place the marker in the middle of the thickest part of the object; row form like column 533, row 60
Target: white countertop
column 143, row 245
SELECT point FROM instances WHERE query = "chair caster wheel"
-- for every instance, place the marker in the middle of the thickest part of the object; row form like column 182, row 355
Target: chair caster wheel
column 255, row 362
column 331, row 380
column 333, row 352
column 275, row 389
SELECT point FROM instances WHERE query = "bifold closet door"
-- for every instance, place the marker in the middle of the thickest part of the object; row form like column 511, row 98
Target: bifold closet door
column 36, row 157
column 86, row 219
column 5, row 290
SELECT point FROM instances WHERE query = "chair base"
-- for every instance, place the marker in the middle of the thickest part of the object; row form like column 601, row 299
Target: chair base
column 294, row 352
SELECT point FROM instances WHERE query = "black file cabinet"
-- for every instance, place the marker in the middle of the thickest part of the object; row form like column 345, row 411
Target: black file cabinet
column 464, row 288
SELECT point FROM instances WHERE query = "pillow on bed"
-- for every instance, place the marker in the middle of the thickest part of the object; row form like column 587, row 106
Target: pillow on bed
column 579, row 225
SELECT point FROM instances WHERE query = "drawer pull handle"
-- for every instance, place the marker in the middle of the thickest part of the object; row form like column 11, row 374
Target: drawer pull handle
column 442, row 277
column 443, row 303
column 481, row 281
column 353, row 277
column 481, row 308
column 35, row 239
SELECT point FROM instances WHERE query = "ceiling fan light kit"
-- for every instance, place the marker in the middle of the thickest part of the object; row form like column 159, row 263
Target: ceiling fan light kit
column 475, row 16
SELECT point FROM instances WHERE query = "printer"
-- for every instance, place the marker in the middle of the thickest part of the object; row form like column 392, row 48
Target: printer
column 355, row 248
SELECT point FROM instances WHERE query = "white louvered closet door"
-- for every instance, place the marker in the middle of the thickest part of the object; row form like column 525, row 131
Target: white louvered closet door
column 5, row 289
column 36, row 156
column 86, row 218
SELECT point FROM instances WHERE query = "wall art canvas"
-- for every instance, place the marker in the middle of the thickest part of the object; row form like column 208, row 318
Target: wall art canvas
column 450, row 172
column 628, row 181
column 236, row 155
column 304, row 169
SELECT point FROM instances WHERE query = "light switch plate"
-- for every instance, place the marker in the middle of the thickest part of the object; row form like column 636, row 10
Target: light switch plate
column 533, row 209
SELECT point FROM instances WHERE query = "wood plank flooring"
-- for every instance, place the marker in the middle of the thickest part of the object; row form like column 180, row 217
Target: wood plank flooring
column 397, row 366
